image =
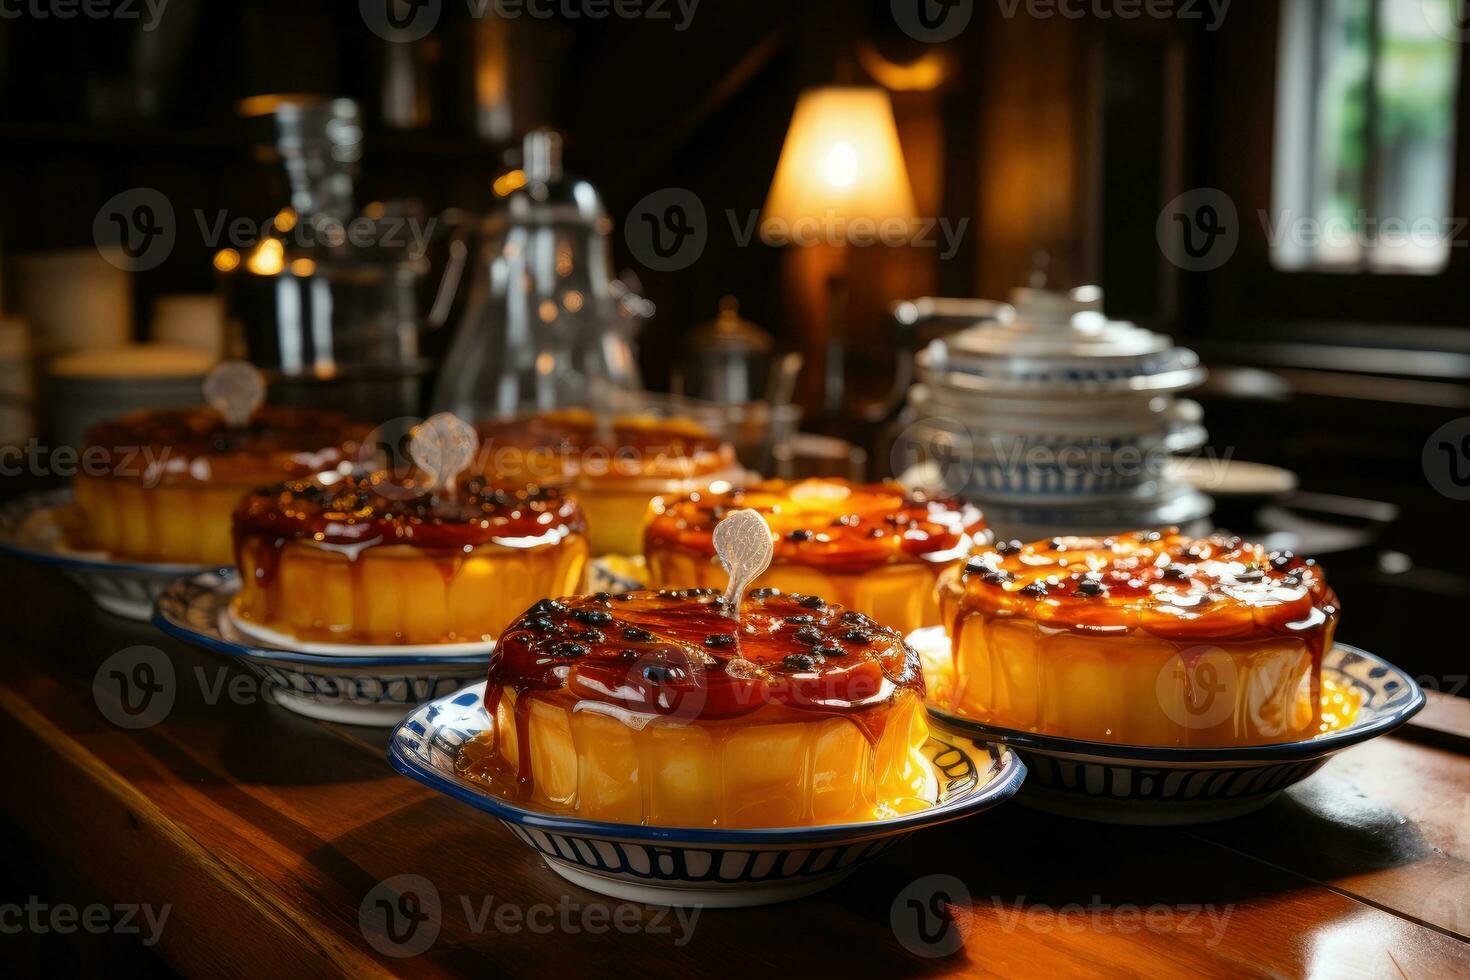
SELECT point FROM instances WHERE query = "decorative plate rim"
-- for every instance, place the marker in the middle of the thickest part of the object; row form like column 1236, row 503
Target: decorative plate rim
column 12, row 512
column 1297, row 751
column 266, row 637
column 1006, row 780
column 167, row 616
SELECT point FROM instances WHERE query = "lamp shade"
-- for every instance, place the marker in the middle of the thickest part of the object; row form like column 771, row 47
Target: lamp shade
column 841, row 173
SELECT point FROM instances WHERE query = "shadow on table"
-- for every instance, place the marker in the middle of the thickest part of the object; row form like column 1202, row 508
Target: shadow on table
column 281, row 748
column 1324, row 828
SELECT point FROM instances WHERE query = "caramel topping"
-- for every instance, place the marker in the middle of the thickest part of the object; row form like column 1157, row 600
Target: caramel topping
column 572, row 442
column 197, row 444
column 680, row 654
column 1164, row 583
column 366, row 509
column 828, row 523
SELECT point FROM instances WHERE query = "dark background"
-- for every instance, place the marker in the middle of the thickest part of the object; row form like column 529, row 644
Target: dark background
column 1057, row 136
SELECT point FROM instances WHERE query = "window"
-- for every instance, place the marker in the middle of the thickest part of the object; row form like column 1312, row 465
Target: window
column 1365, row 132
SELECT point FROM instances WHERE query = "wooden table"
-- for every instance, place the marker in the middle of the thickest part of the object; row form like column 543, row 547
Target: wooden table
column 264, row 833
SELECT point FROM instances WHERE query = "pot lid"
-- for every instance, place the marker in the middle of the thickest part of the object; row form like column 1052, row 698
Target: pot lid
column 1062, row 344
column 729, row 333
column 1049, row 324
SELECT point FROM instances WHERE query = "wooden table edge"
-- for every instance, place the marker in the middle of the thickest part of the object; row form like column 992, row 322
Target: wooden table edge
column 233, row 885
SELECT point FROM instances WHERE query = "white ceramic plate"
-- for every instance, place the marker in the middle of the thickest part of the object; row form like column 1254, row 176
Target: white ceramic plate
column 375, row 689
column 695, row 866
column 33, row 528
column 284, row 641
column 1138, row 784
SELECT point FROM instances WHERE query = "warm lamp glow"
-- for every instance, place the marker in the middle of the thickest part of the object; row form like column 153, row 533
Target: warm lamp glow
column 227, row 260
column 842, row 168
column 508, row 183
column 268, row 259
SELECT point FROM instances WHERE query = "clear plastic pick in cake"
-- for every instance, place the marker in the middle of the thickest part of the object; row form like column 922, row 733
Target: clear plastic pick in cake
column 235, row 389
column 743, row 543
column 443, row 447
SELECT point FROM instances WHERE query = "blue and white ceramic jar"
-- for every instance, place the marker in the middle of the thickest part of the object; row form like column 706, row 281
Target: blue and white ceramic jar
column 1058, row 418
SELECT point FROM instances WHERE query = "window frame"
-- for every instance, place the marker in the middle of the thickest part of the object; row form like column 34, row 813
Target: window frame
column 1296, row 139
column 1226, row 143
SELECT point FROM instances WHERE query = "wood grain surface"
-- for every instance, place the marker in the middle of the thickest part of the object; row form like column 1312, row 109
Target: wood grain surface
column 264, row 833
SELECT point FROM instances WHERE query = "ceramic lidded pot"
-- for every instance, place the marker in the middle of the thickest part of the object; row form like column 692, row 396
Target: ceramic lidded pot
column 1056, row 407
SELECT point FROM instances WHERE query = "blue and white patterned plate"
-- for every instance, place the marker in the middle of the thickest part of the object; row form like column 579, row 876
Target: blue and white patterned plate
column 33, row 527
column 604, row 575
column 703, row 866
column 1132, row 784
column 366, row 690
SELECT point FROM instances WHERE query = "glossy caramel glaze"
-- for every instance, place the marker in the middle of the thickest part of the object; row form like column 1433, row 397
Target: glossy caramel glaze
column 1149, row 638
column 366, row 510
column 658, row 708
column 1163, row 583
column 196, row 445
column 561, row 445
column 827, row 523
column 679, row 653
column 375, row 559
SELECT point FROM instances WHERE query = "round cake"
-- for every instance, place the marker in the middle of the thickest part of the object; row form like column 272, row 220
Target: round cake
column 1150, row 638
column 614, row 466
column 161, row 485
column 875, row 547
column 660, row 708
column 375, row 559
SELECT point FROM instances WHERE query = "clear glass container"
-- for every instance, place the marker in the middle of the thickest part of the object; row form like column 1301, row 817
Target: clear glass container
column 325, row 299
column 545, row 324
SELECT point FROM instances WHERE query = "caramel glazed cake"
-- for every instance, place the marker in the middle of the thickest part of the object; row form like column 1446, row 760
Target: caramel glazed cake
column 1145, row 639
column 659, row 708
column 875, row 547
column 614, row 466
column 171, row 478
column 374, row 559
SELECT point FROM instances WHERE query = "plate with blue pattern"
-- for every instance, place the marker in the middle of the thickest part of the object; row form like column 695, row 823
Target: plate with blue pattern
column 36, row 527
column 696, row 866
column 374, row 689
column 1134, row 784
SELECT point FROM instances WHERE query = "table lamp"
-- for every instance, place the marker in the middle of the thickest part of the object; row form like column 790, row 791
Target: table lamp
column 841, row 180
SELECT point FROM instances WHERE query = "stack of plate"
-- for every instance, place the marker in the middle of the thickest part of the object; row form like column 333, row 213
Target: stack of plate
column 1059, row 420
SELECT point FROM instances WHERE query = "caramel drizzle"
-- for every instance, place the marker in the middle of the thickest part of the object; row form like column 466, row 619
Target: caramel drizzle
column 982, row 578
column 531, row 685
